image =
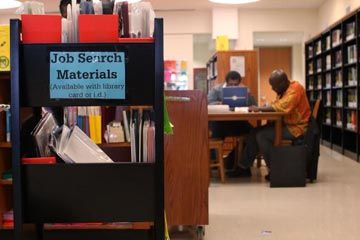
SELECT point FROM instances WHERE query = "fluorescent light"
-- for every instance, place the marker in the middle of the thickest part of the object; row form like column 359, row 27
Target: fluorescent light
column 129, row 1
column 233, row 1
column 8, row 4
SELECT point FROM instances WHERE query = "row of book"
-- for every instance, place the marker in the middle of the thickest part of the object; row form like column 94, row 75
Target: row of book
column 6, row 109
column 8, row 219
column 351, row 101
column 336, row 38
column 351, row 119
column 76, row 140
column 351, row 58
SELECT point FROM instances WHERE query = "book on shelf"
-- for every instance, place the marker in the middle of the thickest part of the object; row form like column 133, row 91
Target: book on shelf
column 328, row 62
column 328, row 80
column 328, row 116
column 311, row 84
column 338, row 59
column 319, row 86
column 351, row 120
column 8, row 219
column 338, row 118
column 338, row 100
column 328, row 42
column 352, row 98
column 352, row 55
column 350, row 31
column 318, row 64
column 338, row 79
column 312, row 96
column 352, row 76
column 336, row 37
column 6, row 108
column 310, row 68
column 328, row 98
column 318, row 47
column 310, row 51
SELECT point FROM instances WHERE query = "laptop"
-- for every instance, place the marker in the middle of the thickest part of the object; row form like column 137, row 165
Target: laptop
column 235, row 96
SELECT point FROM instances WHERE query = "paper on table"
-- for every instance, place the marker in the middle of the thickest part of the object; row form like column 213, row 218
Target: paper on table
column 218, row 107
column 242, row 109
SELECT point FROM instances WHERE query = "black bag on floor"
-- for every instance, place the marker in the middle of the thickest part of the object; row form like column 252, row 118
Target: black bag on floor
column 288, row 166
column 312, row 144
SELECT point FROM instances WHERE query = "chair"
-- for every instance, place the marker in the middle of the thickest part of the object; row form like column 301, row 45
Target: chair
column 217, row 145
column 314, row 114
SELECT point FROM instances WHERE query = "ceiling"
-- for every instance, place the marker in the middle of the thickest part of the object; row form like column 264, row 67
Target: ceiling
column 52, row 6
column 205, row 4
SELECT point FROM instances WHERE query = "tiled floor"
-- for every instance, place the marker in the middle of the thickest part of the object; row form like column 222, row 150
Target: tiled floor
column 248, row 209
column 329, row 209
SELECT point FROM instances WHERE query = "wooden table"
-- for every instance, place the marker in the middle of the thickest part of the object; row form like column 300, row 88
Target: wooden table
column 221, row 115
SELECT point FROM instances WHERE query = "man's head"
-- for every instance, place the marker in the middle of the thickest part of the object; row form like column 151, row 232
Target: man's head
column 233, row 79
column 279, row 81
column 63, row 7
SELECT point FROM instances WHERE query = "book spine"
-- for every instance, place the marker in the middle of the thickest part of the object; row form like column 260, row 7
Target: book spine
column 8, row 126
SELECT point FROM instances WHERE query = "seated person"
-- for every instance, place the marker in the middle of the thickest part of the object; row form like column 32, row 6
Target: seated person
column 232, row 79
column 291, row 99
column 228, row 128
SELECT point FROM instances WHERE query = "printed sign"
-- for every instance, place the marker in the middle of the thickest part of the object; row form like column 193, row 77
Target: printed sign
column 4, row 48
column 237, row 63
column 87, row 75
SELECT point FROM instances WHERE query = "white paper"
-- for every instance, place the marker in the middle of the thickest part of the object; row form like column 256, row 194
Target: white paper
column 237, row 63
column 81, row 149
column 220, row 107
column 242, row 109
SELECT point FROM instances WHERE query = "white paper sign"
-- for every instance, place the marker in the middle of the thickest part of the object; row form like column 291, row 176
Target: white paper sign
column 237, row 63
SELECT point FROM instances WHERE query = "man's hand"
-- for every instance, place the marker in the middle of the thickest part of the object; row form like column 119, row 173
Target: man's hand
column 254, row 109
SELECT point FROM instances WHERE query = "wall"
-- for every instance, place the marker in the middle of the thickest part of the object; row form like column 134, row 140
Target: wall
column 4, row 19
column 333, row 10
column 180, row 47
column 273, row 20
column 202, row 52
column 250, row 20
column 298, row 69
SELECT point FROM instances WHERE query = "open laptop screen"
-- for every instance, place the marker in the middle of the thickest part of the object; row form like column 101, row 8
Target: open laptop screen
column 235, row 96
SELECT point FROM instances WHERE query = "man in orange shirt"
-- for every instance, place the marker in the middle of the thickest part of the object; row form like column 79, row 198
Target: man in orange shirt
column 291, row 98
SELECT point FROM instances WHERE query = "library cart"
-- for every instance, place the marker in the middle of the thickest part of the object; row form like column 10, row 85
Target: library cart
column 78, row 193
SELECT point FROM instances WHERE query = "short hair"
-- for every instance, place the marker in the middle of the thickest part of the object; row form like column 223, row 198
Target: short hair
column 234, row 75
column 278, row 75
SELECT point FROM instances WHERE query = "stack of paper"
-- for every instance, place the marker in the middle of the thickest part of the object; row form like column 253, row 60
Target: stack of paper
column 76, row 147
column 242, row 109
column 218, row 108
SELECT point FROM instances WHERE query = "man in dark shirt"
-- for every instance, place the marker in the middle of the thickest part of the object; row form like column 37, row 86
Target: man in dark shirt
column 229, row 128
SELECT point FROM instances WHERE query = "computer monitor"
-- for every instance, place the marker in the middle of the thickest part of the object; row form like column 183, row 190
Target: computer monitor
column 235, row 96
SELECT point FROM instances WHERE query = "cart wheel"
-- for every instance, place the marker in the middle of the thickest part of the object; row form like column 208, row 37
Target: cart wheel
column 200, row 232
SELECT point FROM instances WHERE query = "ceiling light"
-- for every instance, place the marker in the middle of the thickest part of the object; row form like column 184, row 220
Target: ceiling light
column 8, row 4
column 233, row 1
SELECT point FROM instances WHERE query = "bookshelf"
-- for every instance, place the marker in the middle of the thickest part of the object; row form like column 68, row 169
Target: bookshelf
column 336, row 83
column 5, row 156
column 110, row 193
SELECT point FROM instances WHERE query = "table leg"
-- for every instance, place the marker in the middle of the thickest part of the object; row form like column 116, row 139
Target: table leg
column 278, row 134
column 259, row 156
